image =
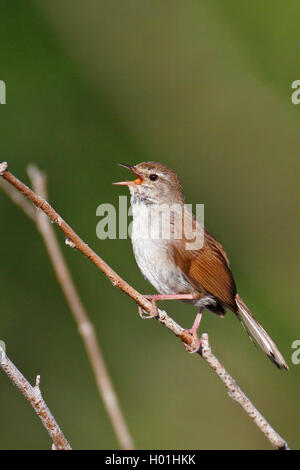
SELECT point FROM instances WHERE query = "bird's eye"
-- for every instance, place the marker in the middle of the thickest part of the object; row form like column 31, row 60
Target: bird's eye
column 153, row 177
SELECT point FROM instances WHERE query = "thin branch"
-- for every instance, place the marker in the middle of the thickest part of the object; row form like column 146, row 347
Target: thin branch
column 85, row 327
column 34, row 396
column 162, row 317
column 236, row 394
column 19, row 199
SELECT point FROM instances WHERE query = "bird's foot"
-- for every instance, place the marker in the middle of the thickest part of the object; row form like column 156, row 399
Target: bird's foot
column 154, row 310
column 156, row 297
column 196, row 343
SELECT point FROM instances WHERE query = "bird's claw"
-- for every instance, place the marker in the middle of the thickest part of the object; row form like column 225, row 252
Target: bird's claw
column 152, row 314
column 196, row 343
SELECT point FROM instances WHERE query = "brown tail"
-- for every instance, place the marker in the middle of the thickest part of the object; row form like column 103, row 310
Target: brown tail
column 259, row 334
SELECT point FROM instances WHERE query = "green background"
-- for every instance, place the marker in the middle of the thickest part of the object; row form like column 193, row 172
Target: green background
column 204, row 87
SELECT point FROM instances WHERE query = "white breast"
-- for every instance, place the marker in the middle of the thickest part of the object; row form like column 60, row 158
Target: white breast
column 152, row 255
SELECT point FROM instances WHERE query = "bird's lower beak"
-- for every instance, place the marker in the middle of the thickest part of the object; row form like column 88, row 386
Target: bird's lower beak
column 138, row 180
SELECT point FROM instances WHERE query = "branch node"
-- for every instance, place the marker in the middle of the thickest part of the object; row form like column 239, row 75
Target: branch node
column 69, row 243
column 37, row 382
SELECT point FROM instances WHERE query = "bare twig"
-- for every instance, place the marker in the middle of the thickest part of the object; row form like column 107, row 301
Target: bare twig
column 85, row 327
column 234, row 391
column 236, row 394
column 19, row 199
column 34, row 396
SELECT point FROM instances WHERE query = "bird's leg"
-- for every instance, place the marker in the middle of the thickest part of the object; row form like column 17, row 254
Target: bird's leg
column 157, row 297
column 194, row 332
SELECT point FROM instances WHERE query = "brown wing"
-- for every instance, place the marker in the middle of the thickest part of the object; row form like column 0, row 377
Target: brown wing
column 208, row 269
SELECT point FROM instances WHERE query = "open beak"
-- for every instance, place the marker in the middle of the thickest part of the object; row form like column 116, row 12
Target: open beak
column 138, row 180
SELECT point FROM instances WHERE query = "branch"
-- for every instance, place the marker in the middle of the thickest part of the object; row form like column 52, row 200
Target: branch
column 34, row 396
column 19, row 199
column 85, row 327
column 236, row 394
column 163, row 318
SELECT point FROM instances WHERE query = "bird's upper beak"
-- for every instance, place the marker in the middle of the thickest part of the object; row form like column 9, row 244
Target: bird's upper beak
column 138, row 180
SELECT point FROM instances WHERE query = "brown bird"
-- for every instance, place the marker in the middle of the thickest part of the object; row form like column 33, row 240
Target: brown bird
column 192, row 267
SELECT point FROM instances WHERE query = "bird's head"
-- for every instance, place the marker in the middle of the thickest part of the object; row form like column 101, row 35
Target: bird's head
column 154, row 183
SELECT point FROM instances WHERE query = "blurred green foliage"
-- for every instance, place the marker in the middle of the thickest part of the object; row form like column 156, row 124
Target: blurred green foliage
column 203, row 87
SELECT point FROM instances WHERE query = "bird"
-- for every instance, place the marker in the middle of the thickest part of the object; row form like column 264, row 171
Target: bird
column 196, row 272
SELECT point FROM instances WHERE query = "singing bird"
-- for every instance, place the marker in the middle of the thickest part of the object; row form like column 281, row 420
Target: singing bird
column 177, row 270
